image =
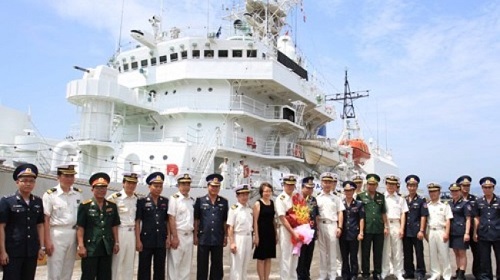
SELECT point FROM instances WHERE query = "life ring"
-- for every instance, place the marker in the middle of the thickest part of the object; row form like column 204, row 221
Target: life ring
column 246, row 171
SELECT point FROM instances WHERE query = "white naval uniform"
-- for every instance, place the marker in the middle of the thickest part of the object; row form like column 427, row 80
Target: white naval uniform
column 122, row 266
column 329, row 205
column 240, row 217
column 224, row 171
column 439, row 213
column 62, row 208
column 180, row 259
column 393, row 244
column 288, row 261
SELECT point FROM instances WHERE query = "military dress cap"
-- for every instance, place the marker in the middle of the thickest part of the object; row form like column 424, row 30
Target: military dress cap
column 454, row 187
column 131, row 177
column 155, row 177
column 412, row 179
column 464, row 180
column 391, row 179
column 99, row 179
column 25, row 170
column 214, row 179
column 308, row 182
column 183, row 178
column 433, row 187
column 372, row 178
column 357, row 179
column 329, row 176
column 487, row 182
column 349, row 185
column 66, row 169
column 244, row 188
column 290, row 179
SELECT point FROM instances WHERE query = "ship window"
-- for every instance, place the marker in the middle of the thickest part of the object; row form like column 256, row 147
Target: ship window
column 119, row 69
column 125, row 67
column 210, row 89
column 144, row 63
column 163, row 59
column 174, row 57
column 198, row 89
column 237, row 53
column 208, row 53
column 165, row 157
column 151, row 157
column 153, row 61
column 251, row 53
column 223, row 53
column 134, row 65
column 184, row 54
column 196, row 53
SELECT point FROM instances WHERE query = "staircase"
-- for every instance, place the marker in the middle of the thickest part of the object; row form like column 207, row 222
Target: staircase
column 204, row 158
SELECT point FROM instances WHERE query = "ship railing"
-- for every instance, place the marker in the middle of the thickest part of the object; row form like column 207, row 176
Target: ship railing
column 257, row 145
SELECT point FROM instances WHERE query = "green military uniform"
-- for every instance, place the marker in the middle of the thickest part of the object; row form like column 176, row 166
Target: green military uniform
column 98, row 237
column 374, row 230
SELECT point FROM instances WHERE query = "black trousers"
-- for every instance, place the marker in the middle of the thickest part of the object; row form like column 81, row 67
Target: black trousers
column 377, row 239
column 349, row 252
column 20, row 269
column 476, row 261
column 408, row 244
column 96, row 268
column 158, row 256
column 216, row 266
column 486, row 272
column 305, row 260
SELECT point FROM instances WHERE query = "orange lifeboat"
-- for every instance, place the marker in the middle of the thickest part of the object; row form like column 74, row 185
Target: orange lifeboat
column 360, row 151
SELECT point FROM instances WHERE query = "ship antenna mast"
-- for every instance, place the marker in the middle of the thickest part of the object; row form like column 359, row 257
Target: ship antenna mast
column 119, row 43
column 347, row 97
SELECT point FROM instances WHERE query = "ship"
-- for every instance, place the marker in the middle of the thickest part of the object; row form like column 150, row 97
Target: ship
column 182, row 102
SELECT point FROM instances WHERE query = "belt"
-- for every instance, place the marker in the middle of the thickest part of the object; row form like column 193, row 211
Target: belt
column 243, row 233
column 127, row 228
column 184, row 233
column 326, row 222
column 436, row 228
column 394, row 220
column 63, row 226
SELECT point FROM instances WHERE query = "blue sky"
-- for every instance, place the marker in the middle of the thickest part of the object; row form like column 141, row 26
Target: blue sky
column 432, row 67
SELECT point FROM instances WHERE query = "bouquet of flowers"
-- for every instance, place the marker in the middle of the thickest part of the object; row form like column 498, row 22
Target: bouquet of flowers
column 298, row 217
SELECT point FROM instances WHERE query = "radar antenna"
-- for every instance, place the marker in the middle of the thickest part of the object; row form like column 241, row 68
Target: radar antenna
column 347, row 96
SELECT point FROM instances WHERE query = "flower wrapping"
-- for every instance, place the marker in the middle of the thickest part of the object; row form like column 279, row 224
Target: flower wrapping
column 298, row 218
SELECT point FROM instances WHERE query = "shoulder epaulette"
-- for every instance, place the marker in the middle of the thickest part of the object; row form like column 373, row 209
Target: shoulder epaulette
column 117, row 194
column 77, row 189
column 234, row 206
column 87, row 201
column 49, row 191
column 446, row 202
column 282, row 197
column 175, row 196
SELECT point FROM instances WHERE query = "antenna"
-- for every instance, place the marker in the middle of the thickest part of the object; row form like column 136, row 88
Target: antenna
column 348, row 96
column 118, row 44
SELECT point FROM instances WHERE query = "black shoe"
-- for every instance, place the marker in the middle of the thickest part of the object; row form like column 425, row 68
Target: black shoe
column 408, row 276
column 366, row 277
column 377, row 277
column 354, row 277
column 420, row 277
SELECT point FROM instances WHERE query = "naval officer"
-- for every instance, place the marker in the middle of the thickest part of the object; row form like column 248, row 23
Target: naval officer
column 60, row 205
column 21, row 227
column 210, row 230
column 416, row 221
column 181, row 220
column 376, row 226
column 151, row 229
column 97, row 232
column 487, row 225
column 459, row 229
column 126, row 201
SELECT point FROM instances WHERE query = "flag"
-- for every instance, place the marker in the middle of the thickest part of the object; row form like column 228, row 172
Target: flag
column 218, row 32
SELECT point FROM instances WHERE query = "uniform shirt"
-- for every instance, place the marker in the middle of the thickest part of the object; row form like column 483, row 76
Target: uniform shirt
column 460, row 209
column 154, row 221
column 312, row 204
column 240, row 217
column 489, row 219
column 98, row 223
column 182, row 209
column 21, row 220
column 472, row 199
column 395, row 206
column 283, row 203
column 329, row 205
column 62, row 207
column 439, row 212
column 212, row 217
column 417, row 208
column 127, row 207
column 353, row 214
column 374, row 209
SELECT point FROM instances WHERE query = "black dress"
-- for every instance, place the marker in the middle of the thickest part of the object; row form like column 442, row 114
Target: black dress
column 267, row 233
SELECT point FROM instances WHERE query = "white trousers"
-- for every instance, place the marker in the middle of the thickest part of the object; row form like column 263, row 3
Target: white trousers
column 393, row 251
column 60, row 264
column 242, row 257
column 180, row 260
column 328, row 247
column 122, row 266
column 288, row 261
column 439, row 253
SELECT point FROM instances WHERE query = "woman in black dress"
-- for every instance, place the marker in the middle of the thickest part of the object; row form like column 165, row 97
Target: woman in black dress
column 264, row 227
